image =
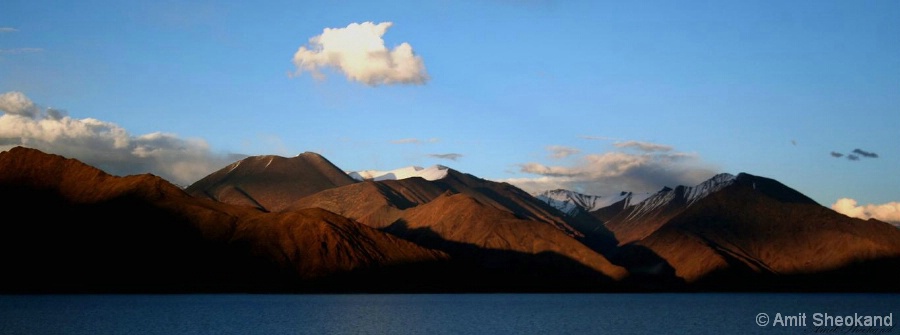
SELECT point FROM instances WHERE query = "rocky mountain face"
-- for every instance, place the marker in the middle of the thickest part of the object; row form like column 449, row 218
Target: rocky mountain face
column 74, row 228
column 571, row 202
column 270, row 183
column 274, row 224
column 749, row 232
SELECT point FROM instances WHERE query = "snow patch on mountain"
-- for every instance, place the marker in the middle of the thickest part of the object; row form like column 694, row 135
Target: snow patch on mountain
column 708, row 187
column 570, row 202
column 435, row 172
column 689, row 194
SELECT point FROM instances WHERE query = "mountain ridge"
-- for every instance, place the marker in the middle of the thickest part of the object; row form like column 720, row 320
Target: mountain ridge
column 312, row 228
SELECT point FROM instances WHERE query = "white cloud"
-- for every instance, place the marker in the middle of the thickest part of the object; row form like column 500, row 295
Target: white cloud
column 643, row 146
column 8, row 30
column 560, row 152
column 17, row 103
column 358, row 51
column 104, row 144
column 613, row 172
column 888, row 212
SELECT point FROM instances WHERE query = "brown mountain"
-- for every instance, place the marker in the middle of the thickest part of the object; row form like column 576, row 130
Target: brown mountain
column 71, row 227
column 481, row 212
column 756, row 233
column 521, row 252
column 376, row 204
column 634, row 222
column 270, row 183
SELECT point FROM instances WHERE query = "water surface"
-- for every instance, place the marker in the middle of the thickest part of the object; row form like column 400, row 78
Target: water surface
column 432, row 314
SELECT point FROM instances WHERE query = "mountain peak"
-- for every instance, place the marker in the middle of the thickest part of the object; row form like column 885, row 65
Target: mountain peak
column 570, row 202
column 270, row 182
column 772, row 188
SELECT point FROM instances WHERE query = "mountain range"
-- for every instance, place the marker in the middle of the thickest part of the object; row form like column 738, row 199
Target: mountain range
column 301, row 224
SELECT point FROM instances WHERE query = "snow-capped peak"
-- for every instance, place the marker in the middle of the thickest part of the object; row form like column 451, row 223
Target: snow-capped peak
column 707, row 187
column 570, row 202
column 434, row 172
column 690, row 195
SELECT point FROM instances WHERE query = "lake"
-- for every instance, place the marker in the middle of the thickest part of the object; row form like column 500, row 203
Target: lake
column 692, row 313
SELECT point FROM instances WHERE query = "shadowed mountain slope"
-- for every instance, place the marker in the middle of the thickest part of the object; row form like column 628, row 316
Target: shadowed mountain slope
column 74, row 228
column 270, row 183
column 374, row 203
column 378, row 203
column 466, row 228
column 756, row 233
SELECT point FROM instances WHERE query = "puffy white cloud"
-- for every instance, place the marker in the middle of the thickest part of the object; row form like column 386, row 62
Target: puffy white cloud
column 613, row 172
column 888, row 212
column 643, row 146
column 18, row 104
column 358, row 51
column 104, row 144
column 560, row 152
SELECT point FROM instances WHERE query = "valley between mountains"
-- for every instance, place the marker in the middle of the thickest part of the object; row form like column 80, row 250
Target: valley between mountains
column 302, row 224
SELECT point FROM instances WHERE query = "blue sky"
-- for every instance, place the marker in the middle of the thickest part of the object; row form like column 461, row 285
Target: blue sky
column 627, row 96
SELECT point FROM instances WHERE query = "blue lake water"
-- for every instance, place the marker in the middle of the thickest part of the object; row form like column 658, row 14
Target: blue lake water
column 694, row 313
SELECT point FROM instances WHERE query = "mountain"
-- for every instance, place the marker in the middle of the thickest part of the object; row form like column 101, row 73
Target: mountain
column 270, row 183
column 522, row 252
column 273, row 224
column 748, row 232
column 360, row 201
column 374, row 203
column 73, row 228
column 467, row 217
column 572, row 203
column 633, row 221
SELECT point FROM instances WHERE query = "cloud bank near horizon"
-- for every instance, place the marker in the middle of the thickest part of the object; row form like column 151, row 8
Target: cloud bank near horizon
column 887, row 212
column 358, row 51
column 638, row 167
column 105, row 145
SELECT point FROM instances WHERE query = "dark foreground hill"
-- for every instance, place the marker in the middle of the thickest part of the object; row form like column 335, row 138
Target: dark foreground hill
column 73, row 228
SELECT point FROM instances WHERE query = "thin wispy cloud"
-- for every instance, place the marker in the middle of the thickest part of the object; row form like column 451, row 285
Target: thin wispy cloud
column 864, row 153
column 415, row 141
column 450, row 156
column 855, row 155
column 597, row 138
column 103, row 144
column 643, row 146
column 8, row 30
column 16, row 51
column 359, row 52
column 560, row 152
